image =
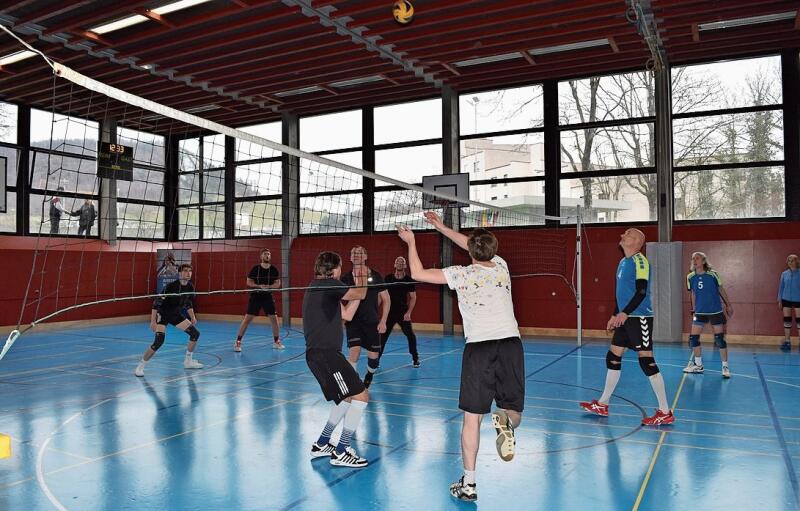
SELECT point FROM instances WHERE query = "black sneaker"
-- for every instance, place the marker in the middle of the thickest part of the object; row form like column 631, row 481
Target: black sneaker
column 349, row 458
column 415, row 363
column 368, row 379
column 461, row 491
column 786, row 346
column 322, row 451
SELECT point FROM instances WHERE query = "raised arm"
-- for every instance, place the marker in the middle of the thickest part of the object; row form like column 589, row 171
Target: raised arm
column 454, row 236
column 418, row 272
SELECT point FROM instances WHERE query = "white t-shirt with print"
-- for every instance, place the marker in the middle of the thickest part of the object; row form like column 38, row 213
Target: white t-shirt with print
column 484, row 299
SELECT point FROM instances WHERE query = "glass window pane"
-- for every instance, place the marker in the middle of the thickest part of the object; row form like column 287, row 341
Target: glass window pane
column 730, row 84
column 605, row 98
column 63, row 133
column 213, row 186
column 332, row 131
column 418, row 120
column 140, row 221
column 316, row 177
column 189, row 188
column 499, row 157
column 614, row 147
column 148, row 149
column 525, row 199
column 11, row 156
column 730, row 193
column 213, row 222
column 731, row 138
column 8, row 220
column 188, row 223
column 399, row 207
column 213, row 151
column 610, row 199
column 189, row 154
column 8, row 123
column 501, row 110
column 408, row 164
column 331, row 213
column 258, row 218
column 258, row 179
column 41, row 222
column 147, row 184
column 73, row 174
column 246, row 150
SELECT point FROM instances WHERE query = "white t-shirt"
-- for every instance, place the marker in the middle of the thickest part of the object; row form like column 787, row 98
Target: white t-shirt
column 484, row 299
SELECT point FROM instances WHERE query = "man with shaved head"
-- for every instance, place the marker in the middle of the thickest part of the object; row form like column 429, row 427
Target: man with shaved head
column 403, row 297
column 632, row 324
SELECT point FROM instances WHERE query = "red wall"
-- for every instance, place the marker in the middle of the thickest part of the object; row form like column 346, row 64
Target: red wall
column 750, row 258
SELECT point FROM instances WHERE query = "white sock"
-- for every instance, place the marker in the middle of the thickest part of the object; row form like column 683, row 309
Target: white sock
column 725, row 364
column 188, row 355
column 657, row 382
column 612, row 378
column 698, row 361
column 142, row 362
column 469, row 477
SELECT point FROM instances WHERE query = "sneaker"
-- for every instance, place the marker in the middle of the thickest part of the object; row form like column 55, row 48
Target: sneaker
column 349, row 458
column 693, row 368
column 505, row 435
column 415, row 363
column 278, row 345
column 659, row 419
column 237, row 346
column 461, row 491
column 322, row 451
column 139, row 371
column 726, row 372
column 190, row 363
column 786, row 346
column 595, row 407
column 368, row 379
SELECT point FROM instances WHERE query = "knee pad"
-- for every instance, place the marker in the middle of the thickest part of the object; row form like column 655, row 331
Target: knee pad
column 787, row 322
column 373, row 363
column 694, row 340
column 193, row 333
column 648, row 365
column 159, row 340
column 719, row 340
column 613, row 362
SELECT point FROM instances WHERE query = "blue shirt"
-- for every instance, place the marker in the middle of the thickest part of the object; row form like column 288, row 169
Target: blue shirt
column 629, row 270
column 789, row 288
column 705, row 287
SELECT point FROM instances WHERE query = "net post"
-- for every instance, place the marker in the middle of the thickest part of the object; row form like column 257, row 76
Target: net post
column 578, row 276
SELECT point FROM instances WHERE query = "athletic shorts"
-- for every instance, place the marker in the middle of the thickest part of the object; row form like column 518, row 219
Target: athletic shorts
column 790, row 304
column 715, row 319
column 170, row 318
column 635, row 334
column 336, row 377
column 363, row 334
column 492, row 371
column 260, row 301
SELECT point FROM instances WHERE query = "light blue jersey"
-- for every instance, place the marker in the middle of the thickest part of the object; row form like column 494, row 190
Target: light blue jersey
column 629, row 270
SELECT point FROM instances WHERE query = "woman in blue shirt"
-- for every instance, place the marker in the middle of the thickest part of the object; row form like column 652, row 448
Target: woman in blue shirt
column 789, row 297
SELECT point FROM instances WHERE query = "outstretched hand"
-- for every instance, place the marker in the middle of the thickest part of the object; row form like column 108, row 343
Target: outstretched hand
column 405, row 233
column 434, row 219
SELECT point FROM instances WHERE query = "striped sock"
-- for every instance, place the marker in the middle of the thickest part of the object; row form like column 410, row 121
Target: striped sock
column 351, row 421
column 337, row 413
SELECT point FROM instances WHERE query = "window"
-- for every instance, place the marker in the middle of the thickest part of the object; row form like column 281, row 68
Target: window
column 201, row 187
column 8, row 135
column 140, row 203
column 258, row 184
column 520, row 108
column 406, row 122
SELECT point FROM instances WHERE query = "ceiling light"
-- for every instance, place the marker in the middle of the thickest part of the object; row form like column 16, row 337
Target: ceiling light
column 487, row 60
column 16, row 57
column 297, row 92
column 177, row 6
column 138, row 18
column 569, row 47
column 198, row 109
column 356, row 81
column 752, row 20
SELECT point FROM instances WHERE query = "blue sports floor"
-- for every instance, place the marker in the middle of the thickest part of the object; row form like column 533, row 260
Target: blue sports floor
column 88, row 435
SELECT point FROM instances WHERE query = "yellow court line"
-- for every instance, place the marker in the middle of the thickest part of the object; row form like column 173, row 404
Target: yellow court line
column 658, row 450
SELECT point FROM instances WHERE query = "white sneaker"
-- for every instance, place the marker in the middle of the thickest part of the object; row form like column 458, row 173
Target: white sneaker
column 463, row 491
column 278, row 345
column 693, row 368
column 139, row 371
column 237, row 346
column 190, row 363
column 726, row 372
column 349, row 458
column 322, row 451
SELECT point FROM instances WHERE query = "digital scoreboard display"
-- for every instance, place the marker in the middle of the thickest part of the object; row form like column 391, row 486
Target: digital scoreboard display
column 115, row 161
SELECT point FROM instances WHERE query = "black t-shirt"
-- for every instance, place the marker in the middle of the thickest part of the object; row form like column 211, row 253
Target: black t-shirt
column 399, row 292
column 175, row 303
column 264, row 276
column 322, row 314
column 367, row 311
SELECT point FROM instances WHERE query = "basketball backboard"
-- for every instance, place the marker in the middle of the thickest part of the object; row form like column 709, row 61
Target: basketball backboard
column 455, row 185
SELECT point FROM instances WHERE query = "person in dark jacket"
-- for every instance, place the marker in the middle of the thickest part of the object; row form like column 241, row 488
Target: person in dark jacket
column 86, row 215
column 56, row 208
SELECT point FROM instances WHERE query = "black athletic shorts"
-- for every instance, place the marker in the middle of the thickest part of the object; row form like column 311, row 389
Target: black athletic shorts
column 790, row 304
column 492, row 371
column 715, row 319
column 635, row 334
column 260, row 301
column 173, row 318
column 363, row 334
column 337, row 378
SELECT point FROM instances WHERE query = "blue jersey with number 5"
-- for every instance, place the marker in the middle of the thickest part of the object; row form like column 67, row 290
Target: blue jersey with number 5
column 705, row 288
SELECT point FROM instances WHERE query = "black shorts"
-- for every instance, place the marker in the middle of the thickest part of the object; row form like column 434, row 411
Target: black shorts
column 363, row 334
column 173, row 318
column 337, row 378
column 492, row 371
column 715, row 319
column 790, row 304
column 636, row 334
column 260, row 301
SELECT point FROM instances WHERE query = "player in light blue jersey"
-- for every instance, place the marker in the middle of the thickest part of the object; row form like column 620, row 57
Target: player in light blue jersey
column 705, row 286
column 789, row 297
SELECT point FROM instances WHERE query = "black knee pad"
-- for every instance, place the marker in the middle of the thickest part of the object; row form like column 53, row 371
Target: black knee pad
column 193, row 333
column 613, row 362
column 648, row 365
column 719, row 340
column 694, row 340
column 158, row 341
column 787, row 322
column 373, row 363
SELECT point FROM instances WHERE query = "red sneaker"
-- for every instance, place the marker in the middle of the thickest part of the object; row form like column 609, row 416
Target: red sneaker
column 595, row 407
column 659, row 419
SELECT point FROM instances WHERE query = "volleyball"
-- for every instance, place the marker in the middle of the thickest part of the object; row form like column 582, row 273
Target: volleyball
column 403, row 12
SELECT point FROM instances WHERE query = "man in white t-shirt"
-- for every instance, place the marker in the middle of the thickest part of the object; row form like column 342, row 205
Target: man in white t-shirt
column 493, row 364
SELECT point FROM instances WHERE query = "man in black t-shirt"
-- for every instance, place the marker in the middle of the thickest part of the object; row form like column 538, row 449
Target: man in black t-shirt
column 403, row 296
column 262, row 276
column 367, row 325
column 168, row 310
column 322, row 327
